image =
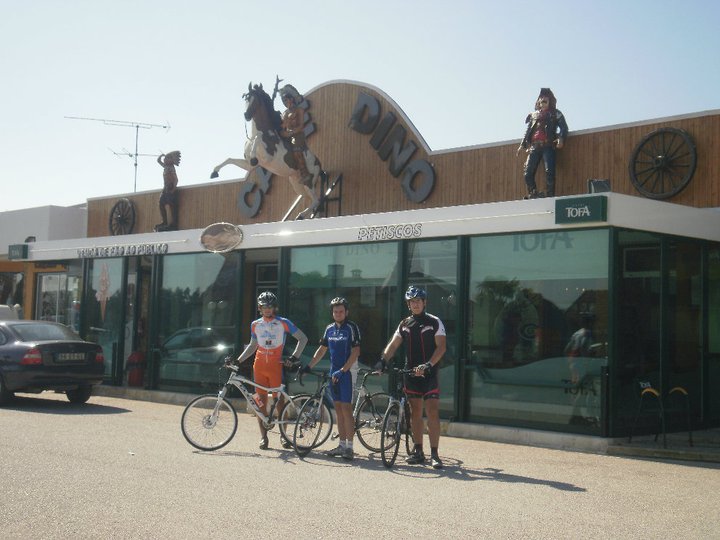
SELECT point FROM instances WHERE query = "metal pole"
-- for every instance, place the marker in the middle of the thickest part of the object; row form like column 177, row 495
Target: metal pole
column 137, row 130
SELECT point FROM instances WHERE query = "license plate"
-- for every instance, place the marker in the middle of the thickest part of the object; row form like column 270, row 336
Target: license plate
column 71, row 357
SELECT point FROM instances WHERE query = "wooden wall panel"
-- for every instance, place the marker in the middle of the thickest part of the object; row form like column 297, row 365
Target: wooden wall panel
column 488, row 173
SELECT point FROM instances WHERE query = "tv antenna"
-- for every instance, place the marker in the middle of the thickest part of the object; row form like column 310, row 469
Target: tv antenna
column 124, row 123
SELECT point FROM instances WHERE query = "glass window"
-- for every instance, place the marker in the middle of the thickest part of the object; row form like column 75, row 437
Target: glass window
column 104, row 310
column 537, row 328
column 714, row 302
column 58, row 297
column 11, row 290
column 713, row 335
column 684, row 307
column 433, row 265
column 197, row 318
column 365, row 274
column 638, row 316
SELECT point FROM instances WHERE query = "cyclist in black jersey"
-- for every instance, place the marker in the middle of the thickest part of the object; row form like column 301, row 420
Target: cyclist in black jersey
column 424, row 337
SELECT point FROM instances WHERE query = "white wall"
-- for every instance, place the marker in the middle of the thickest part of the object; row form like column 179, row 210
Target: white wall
column 44, row 223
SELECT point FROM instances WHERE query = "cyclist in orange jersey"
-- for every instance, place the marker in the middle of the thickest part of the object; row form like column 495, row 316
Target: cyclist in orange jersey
column 267, row 340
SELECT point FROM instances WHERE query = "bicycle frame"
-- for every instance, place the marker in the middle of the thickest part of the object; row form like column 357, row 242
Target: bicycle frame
column 363, row 391
column 239, row 382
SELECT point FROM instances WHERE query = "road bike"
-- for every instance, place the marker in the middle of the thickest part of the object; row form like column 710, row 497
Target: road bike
column 396, row 422
column 314, row 421
column 209, row 422
column 369, row 412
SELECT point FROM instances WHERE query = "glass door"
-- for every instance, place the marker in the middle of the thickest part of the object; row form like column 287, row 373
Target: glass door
column 104, row 323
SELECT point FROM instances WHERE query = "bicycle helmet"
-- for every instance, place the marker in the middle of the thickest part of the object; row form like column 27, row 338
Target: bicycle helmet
column 339, row 301
column 267, row 299
column 415, row 292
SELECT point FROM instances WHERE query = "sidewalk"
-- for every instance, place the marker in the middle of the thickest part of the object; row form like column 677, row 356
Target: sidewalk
column 706, row 447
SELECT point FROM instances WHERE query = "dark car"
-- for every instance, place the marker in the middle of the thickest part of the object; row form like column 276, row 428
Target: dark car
column 40, row 355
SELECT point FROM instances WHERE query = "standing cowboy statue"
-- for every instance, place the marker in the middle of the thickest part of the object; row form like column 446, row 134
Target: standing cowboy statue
column 546, row 132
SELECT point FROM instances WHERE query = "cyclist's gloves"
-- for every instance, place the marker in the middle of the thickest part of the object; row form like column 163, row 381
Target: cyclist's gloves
column 231, row 362
column 291, row 362
column 305, row 369
column 337, row 374
column 427, row 367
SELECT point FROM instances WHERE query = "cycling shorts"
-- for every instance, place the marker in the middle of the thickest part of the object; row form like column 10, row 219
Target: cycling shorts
column 268, row 373
column 422, row 387
column 342, row 391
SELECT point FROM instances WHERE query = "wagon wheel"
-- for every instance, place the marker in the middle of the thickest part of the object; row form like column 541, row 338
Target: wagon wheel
column 663, row 163
column 122, row 217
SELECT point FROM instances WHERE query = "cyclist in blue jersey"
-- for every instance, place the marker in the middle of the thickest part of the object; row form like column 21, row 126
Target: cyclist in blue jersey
column 423, row 335
column 342, row 339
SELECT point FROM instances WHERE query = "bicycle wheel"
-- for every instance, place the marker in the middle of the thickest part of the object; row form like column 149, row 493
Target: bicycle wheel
column 289, row 416
column 368, row 420
column 390, row 436
column 312, row 426
column 209, row 422
column 407, row 430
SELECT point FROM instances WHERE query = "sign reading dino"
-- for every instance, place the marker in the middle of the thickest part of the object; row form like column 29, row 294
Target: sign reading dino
column 388, row 138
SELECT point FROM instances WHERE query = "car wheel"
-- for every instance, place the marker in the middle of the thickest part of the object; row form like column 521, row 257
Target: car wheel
column 5, row 394
column 80, row 394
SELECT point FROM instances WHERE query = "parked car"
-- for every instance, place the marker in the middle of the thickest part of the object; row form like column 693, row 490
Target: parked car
column 193, row 355
column 41, row 355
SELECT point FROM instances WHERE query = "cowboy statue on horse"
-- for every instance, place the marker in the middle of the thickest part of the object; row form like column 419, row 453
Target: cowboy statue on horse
column 277, row 142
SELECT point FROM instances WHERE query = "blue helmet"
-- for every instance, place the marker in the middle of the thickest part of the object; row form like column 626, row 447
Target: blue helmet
column 415, row 292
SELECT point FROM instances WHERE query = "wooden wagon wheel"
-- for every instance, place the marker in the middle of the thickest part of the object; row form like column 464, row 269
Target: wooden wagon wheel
column 122, row 217
column 663, row 163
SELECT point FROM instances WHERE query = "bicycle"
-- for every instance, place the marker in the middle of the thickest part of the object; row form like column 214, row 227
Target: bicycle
column 314, row 420
column 396, row 423
column 209, row 422
column 369, row 412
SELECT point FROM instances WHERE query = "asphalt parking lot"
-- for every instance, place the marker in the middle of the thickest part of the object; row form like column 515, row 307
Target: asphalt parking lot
column 119, row 468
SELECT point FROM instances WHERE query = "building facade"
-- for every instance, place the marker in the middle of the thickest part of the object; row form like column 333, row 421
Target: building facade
column 556, row 309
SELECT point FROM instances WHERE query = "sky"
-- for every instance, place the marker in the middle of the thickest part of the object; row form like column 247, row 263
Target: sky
column 465, row 73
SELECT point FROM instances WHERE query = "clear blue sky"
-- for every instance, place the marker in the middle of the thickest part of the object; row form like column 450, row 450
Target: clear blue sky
column 464, row 72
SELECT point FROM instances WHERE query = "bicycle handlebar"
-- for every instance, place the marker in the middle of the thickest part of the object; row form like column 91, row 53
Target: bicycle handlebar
column 317, row 373
column 411, row 371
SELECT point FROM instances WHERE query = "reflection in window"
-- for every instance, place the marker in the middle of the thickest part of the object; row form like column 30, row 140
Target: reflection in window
column 433, row 265
column 104, row 310
column 537, row 315
column 197, row 318
column 365, row 274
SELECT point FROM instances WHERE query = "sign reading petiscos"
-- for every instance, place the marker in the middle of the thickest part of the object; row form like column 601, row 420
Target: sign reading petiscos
column 390, row 232
column 581, row 209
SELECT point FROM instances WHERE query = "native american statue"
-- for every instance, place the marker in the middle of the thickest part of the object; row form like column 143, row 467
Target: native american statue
column 277, row 143
column 169, row 197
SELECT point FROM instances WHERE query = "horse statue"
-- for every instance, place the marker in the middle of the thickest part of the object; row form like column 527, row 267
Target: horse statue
column 266, row 148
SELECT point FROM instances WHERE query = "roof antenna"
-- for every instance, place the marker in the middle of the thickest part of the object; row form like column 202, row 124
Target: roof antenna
column 123, row 123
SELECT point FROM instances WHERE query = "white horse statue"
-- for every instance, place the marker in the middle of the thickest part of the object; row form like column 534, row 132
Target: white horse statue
column 265, row 148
